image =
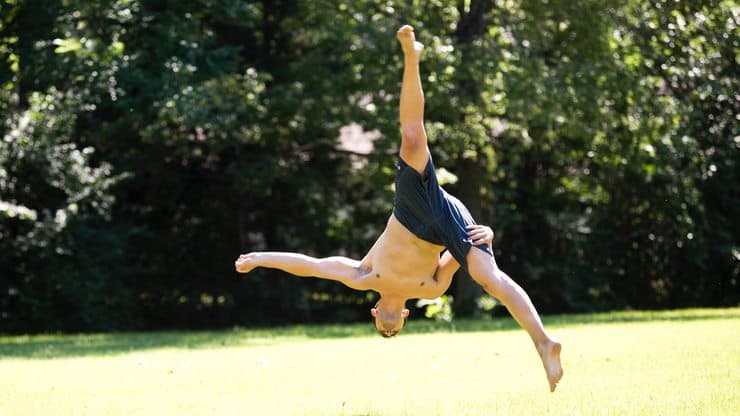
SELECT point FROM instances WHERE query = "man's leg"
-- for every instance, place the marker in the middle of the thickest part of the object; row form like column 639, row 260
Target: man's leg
column 411, row 108
column 483, row 269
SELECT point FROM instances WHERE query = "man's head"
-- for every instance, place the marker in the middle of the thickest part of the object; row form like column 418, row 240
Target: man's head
column 389, row 320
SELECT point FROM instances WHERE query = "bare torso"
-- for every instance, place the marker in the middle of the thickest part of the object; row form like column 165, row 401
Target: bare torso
column 403, row 264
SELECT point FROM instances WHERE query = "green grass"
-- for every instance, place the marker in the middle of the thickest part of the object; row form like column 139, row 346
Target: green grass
column 634, row 363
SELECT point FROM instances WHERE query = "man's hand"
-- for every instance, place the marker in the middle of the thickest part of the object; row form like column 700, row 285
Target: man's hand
column 246, row 262
column 480, row 234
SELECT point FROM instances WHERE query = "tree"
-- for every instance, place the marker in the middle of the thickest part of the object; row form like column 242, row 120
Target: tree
column 146, row 143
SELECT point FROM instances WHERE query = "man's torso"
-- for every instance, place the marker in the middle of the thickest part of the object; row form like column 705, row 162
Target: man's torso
column 403, row 264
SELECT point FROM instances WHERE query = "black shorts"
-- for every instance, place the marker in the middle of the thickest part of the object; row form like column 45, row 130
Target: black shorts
column 430, row 213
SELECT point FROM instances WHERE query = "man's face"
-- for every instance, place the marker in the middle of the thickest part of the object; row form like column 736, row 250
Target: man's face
column 389, row 324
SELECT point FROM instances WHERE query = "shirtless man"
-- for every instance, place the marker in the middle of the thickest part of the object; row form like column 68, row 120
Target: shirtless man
column 405, row 261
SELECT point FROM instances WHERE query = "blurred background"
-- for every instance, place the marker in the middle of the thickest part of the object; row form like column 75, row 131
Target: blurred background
column 146, row 144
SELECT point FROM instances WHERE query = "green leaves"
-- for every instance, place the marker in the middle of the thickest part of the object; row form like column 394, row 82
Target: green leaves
column 219, row 112
column 594, row 137
column 67, row 45
column 439, row 309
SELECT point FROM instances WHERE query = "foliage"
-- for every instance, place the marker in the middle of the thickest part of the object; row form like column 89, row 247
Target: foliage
column 439, row 309
column 147, row 143
column 54, row 197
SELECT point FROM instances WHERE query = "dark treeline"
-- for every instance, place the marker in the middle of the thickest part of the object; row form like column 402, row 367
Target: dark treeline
column 147, row 143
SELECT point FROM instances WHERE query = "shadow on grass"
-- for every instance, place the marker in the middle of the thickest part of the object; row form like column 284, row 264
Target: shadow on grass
column 60, row 346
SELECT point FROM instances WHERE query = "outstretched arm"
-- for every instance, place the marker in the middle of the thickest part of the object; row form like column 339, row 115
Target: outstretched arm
column 341, row 269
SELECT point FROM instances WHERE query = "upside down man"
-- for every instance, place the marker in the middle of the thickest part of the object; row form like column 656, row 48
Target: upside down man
column 405, row 261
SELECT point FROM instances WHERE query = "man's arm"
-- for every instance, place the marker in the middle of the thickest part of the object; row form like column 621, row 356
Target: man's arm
column 447, row 266
column 341, row 269
column 446, row 269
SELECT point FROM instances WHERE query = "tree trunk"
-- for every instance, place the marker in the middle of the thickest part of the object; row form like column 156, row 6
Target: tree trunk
column 466, row 291
column 471, row 26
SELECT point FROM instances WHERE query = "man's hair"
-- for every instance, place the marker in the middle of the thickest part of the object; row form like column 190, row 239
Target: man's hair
column 392, row 334
column 387, row 335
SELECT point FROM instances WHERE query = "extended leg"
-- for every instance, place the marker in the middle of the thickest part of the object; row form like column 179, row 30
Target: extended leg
column 411, row 107
column 483, row 269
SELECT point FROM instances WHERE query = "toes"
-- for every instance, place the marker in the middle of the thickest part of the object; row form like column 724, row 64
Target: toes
column 406, row 33
column 405, row 30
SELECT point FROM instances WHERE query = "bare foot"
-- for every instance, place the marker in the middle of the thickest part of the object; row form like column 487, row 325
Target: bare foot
column 411, row 48
column 550, row 355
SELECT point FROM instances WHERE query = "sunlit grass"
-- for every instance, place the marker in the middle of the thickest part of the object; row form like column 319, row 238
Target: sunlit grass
column 665, row 363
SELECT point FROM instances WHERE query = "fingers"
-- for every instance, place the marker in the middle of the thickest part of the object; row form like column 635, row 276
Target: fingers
column 247, row 262
column 479, row 234
column 478, row 238
column 477, row 230
column 243, row 259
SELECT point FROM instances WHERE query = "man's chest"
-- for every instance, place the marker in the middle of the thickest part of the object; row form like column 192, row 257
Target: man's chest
column 403, row 271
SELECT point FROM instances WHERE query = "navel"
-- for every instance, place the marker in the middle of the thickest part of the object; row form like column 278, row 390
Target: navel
column 377, row 275
column 422, row 284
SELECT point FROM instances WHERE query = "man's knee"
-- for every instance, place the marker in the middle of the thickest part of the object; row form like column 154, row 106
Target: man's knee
column 413, row 136
column 484, row 270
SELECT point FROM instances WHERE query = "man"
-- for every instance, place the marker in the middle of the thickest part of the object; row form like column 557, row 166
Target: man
column 404, row 262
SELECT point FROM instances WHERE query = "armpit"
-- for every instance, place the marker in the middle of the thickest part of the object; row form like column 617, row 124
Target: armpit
column 364, row 272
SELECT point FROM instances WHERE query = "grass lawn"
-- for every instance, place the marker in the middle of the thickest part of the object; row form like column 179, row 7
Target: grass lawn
column 629, row 363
